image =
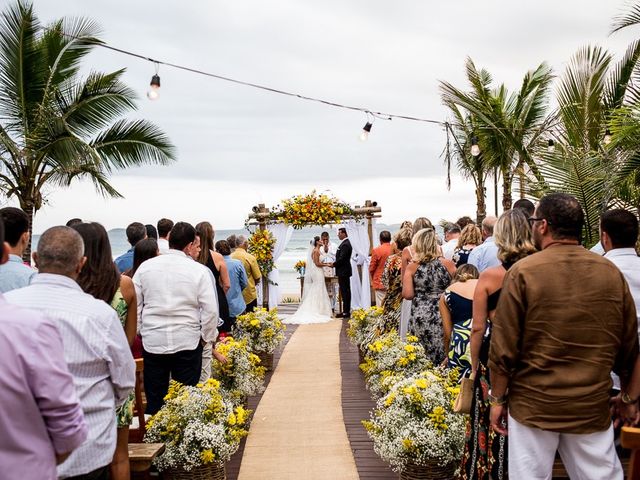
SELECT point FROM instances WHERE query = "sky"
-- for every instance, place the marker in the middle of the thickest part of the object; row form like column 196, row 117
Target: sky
column 238, row 147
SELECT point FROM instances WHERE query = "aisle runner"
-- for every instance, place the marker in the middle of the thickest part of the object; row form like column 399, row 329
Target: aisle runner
column 297, row 431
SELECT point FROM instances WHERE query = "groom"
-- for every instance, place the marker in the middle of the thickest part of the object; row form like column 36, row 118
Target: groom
column 343, row 272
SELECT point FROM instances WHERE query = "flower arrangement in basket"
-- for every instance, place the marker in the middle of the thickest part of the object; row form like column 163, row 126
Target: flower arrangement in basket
column 241, row 375
column 311, row 209
column 198, row 426
column 300, row 267
column 261, row 329
column 261, row 244
column 362, row 326
column 414, row 425
column 388, row 359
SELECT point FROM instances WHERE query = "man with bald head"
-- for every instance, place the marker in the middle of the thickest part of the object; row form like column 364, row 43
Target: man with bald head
column 485, row 255
column 95, row 347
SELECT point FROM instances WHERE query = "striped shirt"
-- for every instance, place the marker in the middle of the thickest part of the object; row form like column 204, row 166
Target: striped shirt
column 98, row 357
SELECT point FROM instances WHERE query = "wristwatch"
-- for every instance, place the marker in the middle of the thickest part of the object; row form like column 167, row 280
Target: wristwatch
column 497, row 401
column 627, row 400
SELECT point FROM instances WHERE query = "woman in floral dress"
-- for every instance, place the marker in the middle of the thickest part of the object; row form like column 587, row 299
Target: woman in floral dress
column 425, row 279
column 485, row 455
column 100, row 278
column 392, row 281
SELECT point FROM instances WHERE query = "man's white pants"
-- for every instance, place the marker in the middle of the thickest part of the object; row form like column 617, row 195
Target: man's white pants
column 586, row 457
column 207, row 354
column 380, row 297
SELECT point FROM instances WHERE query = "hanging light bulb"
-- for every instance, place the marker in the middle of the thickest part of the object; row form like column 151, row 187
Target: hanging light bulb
column 607, row 137
column 551, row 147
column 475, row 149
column 364, row 135
column 154, row 88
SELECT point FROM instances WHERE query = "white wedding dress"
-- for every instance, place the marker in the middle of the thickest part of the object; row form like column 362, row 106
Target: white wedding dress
column 315, row 306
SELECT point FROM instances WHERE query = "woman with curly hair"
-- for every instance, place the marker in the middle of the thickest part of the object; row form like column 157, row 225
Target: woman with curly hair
column 470, row 237
column 486, row 450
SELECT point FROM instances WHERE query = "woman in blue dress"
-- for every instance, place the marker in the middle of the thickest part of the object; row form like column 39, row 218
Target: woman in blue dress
column 456, row 309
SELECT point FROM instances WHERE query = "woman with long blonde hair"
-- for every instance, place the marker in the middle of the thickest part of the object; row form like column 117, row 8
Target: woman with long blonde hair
column 470, row 237
column 425, row 279
column 486, row 450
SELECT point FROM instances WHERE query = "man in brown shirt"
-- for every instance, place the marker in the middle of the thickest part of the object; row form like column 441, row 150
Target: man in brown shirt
column 564, row 321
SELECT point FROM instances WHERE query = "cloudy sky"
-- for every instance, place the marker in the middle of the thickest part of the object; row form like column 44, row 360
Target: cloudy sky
column 238, row 146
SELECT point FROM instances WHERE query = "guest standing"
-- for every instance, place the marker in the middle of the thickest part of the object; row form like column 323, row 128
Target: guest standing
column 164, row 229
column 526, row 206
column 485, row 453
column 425, row 279
column 237, row 280
column 555, row 340
column 250, row 264
column 343, row 271
column 470, row 238
column 135, row 232
column 485, row 255
column 379, row 257
column 151, row 231
column 456, row 309
column 14, row 273
column 392, row 281
column 95, row 346
column 100, row 278
column 143, row 251
column 407, row 258
column 214, row 262
column 178, row 314
column 41, row 420
column 451, row 234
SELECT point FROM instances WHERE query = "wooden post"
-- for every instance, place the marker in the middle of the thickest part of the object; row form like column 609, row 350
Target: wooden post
column 262, row 224
column 369, row 204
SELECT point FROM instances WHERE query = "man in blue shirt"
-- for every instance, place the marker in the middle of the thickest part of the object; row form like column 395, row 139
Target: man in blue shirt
column 15, row 274
column 486, row 255
column 238, row 280
column 135, row 232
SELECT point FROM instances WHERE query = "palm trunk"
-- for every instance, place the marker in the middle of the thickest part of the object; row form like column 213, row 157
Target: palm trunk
column 507, row 179
column 495, row 190
column 28, row 206
column 522, row 179
column 481, row 205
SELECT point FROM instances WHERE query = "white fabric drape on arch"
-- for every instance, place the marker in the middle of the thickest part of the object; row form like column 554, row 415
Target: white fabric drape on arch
column 282, row 234
column 360, row 287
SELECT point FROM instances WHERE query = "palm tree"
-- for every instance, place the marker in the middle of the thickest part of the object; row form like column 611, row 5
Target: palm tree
column 509, row 125
column 56, row 126
column 596, row 98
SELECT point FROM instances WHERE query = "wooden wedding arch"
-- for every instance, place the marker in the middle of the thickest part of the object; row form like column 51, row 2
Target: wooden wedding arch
column 262, row 216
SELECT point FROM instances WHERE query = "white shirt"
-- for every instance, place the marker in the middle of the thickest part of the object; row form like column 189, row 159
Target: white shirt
column 448, row 248
column 177, row 303
column 628, row 262
column 98, row 356
column 163, row 245
column 330, row 256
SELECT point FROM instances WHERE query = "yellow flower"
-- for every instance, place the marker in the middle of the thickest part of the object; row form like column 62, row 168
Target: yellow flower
column 409, row 348
column 207, row 456
column 407, row 444
column 421, row 383
column 412, row 338
column 231, row 420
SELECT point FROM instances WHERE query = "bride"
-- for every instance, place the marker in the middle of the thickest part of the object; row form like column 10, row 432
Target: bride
column 315, row 306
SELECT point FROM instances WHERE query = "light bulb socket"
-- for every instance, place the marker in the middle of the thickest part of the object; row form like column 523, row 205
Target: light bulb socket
column 551, row 143
column 474, row 140
column 367, row 127
column 155, row 81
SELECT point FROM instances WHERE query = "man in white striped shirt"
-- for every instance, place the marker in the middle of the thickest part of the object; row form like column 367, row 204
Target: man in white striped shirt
column 95, row 347
column 177, row 315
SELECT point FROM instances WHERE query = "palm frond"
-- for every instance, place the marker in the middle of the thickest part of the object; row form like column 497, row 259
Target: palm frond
column 133, row 143
column 627, row 19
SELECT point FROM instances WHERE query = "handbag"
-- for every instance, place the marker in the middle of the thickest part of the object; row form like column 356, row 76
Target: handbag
column 463, row 400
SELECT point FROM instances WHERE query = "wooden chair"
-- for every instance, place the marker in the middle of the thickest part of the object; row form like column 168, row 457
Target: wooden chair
column 630, row 438
column 141, row 454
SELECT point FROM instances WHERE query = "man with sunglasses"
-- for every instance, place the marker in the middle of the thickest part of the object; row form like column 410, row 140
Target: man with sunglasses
column 565, row 319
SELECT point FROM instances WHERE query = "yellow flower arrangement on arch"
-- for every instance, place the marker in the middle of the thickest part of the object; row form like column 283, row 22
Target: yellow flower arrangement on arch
column 311, row 209
column 261, row 245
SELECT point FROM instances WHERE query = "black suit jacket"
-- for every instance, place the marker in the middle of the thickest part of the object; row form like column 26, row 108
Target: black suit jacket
column 343, row 259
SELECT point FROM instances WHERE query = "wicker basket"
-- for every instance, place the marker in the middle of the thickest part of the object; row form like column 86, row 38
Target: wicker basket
column 212, row 471
column 266, row 360
column 431, row 471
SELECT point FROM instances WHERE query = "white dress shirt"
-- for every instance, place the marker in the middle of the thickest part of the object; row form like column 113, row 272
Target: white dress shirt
column 163, row 246
column 628, row 262
column 177, row 303
column 98, row 356
column 449, row 247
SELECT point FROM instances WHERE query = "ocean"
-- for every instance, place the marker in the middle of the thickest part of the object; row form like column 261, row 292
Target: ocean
column 296, row 250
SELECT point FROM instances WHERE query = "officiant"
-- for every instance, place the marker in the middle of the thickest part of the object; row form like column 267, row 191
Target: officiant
column 328, row 255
